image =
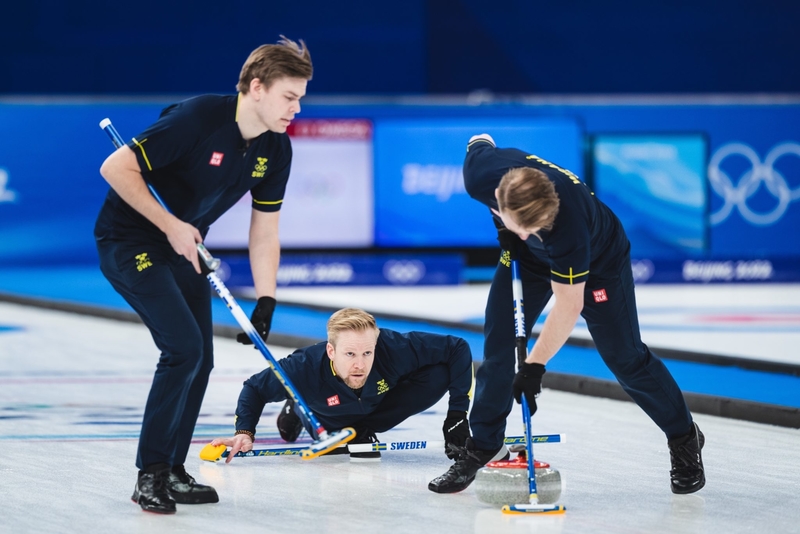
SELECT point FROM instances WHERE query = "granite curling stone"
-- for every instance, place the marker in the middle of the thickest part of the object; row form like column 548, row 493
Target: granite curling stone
column 506, row 482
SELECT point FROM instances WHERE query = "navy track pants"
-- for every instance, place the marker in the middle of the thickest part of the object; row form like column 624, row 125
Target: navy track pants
column 614, row 326
column 174, row 303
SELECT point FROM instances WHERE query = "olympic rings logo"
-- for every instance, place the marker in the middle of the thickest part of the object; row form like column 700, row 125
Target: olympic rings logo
column 404, row 272
column 736, row 196
column 642, row 270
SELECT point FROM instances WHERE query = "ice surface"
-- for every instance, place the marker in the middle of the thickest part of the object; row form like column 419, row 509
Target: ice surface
column 72, row 391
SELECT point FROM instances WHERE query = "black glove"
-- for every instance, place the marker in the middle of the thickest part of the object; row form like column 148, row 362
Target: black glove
column 508, row 240
column 261, row 319
column 528, row 381
column 456, row 431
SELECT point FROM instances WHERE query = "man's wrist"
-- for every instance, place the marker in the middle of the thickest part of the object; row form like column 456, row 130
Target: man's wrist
column 533, row 357
column 246, row 433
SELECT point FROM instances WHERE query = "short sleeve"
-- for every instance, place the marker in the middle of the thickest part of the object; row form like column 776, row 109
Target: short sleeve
column 168, row 139
column 268, row 193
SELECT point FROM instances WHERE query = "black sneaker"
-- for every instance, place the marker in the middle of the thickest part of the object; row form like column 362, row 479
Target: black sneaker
column 462, row 472
column 184, row 489
column 687, row 474
column 151, row 492
column 289, row 424
column 365, row 436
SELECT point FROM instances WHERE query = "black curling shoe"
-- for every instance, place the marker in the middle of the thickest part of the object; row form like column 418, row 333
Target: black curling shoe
column 184, row 489
column 151, row 490
column 462, row 472
column 365, row 436
column 687, row 474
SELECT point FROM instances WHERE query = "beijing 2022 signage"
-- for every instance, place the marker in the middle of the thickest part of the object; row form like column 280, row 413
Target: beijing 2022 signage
column 420, row 198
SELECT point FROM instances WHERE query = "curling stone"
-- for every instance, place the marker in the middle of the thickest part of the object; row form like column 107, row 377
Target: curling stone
column 506, row 481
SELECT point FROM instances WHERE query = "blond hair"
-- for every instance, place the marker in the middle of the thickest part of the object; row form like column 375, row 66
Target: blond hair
column 529, row 197
column 349, row 319
column 269, row 63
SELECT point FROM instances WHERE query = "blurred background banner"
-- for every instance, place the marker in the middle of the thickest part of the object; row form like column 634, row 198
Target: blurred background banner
column 420, row 200
column 722, row 270
column 753, row 172
column 690, row 180
column 339, row 269
column 657, row 187
column 50, row 155
column 328, row 201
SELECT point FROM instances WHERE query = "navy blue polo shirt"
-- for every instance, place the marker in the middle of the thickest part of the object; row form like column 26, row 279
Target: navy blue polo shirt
column 586, row 240
column 333, row 402
column 196, row 159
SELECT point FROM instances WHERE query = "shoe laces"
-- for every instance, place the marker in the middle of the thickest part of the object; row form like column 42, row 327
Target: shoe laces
column 462, row 454
column 160, row 479
column 684, row 457
column 365, row 436
column 180, row 472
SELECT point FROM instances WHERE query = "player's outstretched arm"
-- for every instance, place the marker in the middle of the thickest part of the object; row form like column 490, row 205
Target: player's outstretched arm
column 238, row 443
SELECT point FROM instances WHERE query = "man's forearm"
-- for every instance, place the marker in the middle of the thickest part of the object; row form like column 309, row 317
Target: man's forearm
column 264, row 261
column 555, row 332
column 462, row 376
column 122, row 173
column 559, row 323
column 265, row 253
column 248, row 409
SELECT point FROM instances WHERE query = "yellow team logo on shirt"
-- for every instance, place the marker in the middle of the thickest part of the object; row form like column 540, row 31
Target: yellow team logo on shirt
column 505, row 258
column 143, row 262
column 260, row 168
column 383, row 387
